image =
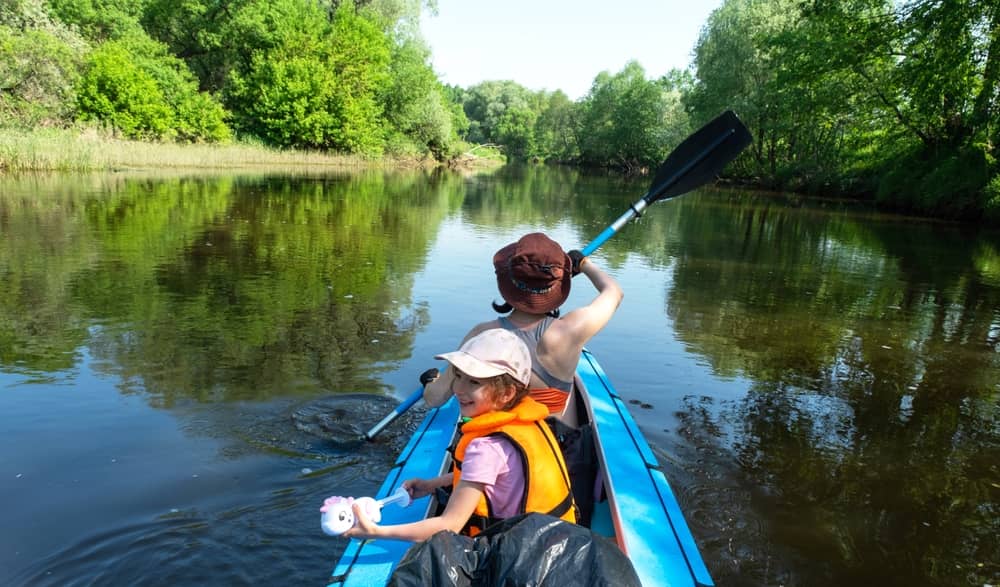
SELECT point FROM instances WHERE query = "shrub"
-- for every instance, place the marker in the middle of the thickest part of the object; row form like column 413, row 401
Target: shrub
column 116, row 91
column 38, row 71
column 144, row 92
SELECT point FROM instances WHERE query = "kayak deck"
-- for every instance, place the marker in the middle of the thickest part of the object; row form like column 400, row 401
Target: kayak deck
column 640, row 513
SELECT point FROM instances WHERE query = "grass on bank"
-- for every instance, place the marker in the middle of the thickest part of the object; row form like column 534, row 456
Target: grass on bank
column 93, row 150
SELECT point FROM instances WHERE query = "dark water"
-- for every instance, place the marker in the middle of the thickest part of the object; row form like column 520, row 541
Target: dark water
column 186, row 363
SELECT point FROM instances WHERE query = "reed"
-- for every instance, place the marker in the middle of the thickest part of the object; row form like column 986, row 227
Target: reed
column 92, row 150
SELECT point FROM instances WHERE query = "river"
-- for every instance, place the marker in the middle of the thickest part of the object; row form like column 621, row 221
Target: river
column 187, row 360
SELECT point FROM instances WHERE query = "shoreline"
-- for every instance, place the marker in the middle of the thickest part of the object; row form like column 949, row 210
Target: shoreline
column 61, row 150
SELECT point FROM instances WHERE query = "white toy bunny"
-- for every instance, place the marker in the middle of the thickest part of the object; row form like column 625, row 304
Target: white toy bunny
column 338, row 517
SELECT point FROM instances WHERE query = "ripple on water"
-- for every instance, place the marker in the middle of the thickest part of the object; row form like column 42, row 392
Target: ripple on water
column 185, row 552
column 268, row 532
column 717, row 499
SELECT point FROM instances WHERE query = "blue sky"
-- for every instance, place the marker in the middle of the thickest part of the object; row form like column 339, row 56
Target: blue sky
column 560, row 44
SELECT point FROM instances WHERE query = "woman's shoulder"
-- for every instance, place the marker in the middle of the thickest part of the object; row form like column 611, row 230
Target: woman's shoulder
column 482, row 326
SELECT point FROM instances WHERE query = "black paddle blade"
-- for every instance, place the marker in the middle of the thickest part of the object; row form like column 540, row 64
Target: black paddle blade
column 700, row 158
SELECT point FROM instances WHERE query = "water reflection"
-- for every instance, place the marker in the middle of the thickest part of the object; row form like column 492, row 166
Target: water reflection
column 870, row 432
column 217, row 289
column 844, row 425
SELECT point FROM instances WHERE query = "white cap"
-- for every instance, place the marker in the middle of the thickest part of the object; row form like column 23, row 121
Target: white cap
column 490, row 353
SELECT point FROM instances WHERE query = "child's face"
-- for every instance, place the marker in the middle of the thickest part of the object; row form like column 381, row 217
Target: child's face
column 474, row 396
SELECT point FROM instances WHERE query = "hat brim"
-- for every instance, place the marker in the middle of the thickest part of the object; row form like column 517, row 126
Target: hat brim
column 522, row 299
column 470, row 365
column 533, row 303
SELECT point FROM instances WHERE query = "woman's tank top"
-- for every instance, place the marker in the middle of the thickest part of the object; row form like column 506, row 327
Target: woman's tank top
column 531, row 337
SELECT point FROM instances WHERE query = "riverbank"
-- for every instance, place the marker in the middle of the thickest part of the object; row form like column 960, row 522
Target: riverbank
column 92, row 150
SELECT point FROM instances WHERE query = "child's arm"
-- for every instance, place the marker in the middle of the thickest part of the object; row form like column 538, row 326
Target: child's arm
column 460, row 506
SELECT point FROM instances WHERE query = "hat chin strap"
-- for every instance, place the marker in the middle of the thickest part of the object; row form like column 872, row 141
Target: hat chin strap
column 525, row 287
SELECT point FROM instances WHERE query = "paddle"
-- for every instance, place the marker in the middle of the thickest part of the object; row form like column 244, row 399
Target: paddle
column 407, row 404
column 693, row 163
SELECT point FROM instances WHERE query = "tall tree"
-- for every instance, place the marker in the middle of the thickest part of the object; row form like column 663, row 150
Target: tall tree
column 309, row 82
column 556, row 129
column 871, row 97
column 625, row 120
column 502, row 112
column 40, row 59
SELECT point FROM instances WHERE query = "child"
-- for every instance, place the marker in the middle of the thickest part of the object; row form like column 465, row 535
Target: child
column 507, row 461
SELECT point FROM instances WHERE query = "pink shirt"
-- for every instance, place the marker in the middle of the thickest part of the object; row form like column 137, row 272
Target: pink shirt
column 495, row 463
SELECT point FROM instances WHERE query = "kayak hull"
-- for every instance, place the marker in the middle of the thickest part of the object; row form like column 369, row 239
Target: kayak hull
column 640, row 512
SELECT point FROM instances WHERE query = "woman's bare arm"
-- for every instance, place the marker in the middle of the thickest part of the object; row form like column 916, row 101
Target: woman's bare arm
column 560, row 347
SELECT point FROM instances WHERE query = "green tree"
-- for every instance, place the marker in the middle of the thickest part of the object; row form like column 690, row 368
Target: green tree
column 866, row 97
column 40, row 59
column 38, row 71
column 417, row 111
column 312, row 83
column 624, row 120
column 556, row 129
column 351, row 76
column 101, row 20
column 503, row 113
column 137, row 87
column 197, row 116
column 736, row 64
column 115, row 90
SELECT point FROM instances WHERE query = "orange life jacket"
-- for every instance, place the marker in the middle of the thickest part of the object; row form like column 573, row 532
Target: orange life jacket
column 547, row 488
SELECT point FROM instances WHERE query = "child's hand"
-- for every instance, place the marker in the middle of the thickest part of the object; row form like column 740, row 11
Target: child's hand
column 419, row 487
column 363, row 526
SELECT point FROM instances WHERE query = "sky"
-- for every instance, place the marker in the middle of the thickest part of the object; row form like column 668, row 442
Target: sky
column 560, row 44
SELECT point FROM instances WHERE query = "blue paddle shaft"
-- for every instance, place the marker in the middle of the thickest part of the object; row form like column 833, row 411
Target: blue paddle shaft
column 615, row 227
column 655, row 192
column 407, row 404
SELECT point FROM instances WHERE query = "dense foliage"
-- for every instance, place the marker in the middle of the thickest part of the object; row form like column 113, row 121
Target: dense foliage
column 895, row 101
column 892, row 100
column 340, row 76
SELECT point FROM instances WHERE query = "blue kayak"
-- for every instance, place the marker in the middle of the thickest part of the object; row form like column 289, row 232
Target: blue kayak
column 640, row 512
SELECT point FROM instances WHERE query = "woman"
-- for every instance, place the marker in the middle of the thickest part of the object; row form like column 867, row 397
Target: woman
column 534, row 276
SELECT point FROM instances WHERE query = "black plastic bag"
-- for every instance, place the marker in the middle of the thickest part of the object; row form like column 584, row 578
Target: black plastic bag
column 533, row 549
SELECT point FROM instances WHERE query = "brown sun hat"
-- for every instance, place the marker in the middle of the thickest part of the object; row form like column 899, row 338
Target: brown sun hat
column 533, row 274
